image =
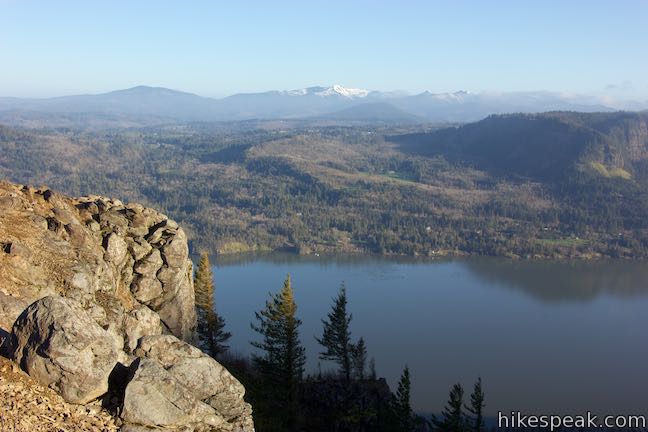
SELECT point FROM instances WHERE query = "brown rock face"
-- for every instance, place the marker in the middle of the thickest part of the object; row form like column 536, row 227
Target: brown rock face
column 89, row 283
column 110, row 257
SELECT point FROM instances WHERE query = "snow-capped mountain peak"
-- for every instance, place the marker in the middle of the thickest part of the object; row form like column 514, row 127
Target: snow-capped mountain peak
column 339, row 90
column 334, row 90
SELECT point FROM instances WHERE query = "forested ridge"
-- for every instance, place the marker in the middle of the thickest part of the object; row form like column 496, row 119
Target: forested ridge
column 544, row 185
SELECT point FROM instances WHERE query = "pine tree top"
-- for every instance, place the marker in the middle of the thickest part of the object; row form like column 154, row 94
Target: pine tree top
column 288, row 306
column 204, row 283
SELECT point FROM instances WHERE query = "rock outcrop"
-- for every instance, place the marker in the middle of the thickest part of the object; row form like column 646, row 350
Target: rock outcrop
column 111, row 257
column 94, row 291
column 60, row 346
column 214, row 393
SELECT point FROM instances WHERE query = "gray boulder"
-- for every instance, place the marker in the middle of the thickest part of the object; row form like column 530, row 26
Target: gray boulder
column 203, row 376
column 56, row 342
column 116, row 248
column 85, row 281
column 176, row 305
column 175, row 252
column 149, row 265
column 146, row 289
column 155, row 398
column 140, row 322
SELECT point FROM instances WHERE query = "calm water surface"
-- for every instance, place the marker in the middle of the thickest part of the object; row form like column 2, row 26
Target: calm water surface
column 546, row 337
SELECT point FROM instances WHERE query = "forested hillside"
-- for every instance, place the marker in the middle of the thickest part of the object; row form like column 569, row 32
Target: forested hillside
column 549, row 185
column 547, row 147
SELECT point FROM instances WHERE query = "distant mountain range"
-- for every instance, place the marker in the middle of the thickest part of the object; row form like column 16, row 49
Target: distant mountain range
column 335, row 102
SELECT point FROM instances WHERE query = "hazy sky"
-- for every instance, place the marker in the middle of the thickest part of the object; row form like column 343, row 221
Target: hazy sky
column 218, row 48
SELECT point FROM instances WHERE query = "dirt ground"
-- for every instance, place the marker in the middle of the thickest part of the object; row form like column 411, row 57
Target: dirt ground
column 26, row 406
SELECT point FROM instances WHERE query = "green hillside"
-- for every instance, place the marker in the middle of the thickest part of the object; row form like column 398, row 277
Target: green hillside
column 548, row 185
column 547, row 147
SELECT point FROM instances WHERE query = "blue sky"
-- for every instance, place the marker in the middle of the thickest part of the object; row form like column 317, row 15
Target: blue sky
column 218, row 48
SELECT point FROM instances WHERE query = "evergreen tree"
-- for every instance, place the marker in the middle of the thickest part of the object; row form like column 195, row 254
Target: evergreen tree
column 476, row 407
column 372, row 369
column 211, row 327
column 359, row 359
column 401, row 404
column 452, row 417
column 282, row 363
column 336, row 338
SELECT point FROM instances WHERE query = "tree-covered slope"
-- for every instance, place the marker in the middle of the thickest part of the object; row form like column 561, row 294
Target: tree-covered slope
column 547, row 147
column 549, row 185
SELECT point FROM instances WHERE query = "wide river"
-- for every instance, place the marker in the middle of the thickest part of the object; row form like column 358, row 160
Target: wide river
column 546, row 337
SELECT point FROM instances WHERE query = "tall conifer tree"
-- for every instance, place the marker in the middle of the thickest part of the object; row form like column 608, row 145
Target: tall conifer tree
column 476, row 407
column 401, row 404
column 336, row 338
column 452, row 419
column 359, row 359
column 281, row 363
column 211, row 327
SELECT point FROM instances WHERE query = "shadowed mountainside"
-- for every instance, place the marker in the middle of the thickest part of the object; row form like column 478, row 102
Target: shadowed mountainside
column 547, row 146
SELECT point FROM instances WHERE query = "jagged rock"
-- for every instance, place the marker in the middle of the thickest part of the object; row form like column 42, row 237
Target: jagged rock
column 53, row 224
column 139, row 223
column 171, row 280
column 113, row 220
column 16, row 249
column 140, row 322
column 178, row 312
column 39, row 222
column 155, row 235
column 90, row 207
column 63, row 216
column 94, row 226
column 116, row 248
column 10, row 202
column 58, row 344
column 10, row 308
column 76, row 233
column 149, row 265
column 82, row 280
column 138, row 247
column 155, row 398
column 146, row 289
column 202, row 375
column 101, row 277
column 176, row 251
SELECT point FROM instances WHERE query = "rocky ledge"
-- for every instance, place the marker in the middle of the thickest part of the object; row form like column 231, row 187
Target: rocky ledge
column 97, row 303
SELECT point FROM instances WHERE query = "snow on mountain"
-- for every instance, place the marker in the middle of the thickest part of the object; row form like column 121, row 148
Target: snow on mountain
column 334, row 90
column 307, row 102
column 458, row 96
column 298, row 92
column 337, row 89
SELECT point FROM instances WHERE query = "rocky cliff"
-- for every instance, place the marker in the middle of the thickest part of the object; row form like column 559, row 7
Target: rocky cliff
column 97, row 302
